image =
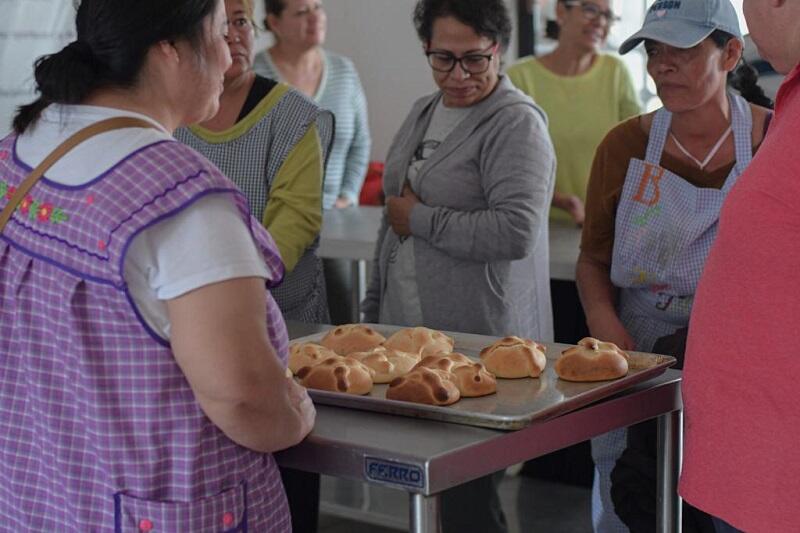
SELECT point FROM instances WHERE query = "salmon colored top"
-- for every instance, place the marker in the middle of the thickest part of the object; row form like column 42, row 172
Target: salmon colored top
column 742, row 364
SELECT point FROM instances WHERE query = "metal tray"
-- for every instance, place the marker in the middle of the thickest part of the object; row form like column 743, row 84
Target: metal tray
column 518, row 402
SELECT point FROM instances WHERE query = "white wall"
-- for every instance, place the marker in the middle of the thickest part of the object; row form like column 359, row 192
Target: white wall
column 379, row 37
column 28, row 29
column 377, row 34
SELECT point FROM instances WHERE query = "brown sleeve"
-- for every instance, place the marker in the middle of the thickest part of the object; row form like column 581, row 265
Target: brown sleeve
column 606, row 180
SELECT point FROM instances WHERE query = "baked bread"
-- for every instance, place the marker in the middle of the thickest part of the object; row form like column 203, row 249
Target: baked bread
column 350, row 338
column 474, row 380
column 337, row 374
column 592, row 360
column 445, row 361
column 471, row 377
column 386, row 364
column 307, row 354
column 420, row 341
column 514, row 357
column 423, row 385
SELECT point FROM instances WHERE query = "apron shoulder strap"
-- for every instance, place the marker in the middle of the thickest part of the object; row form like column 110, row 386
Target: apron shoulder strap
column 658, row 136
column 742, row 125
column 61, row 150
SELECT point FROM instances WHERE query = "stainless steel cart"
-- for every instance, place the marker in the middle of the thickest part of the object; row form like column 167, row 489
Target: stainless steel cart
column 425, row 457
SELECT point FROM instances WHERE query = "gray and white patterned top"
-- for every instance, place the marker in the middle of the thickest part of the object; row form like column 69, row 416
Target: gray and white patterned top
column 251, row 161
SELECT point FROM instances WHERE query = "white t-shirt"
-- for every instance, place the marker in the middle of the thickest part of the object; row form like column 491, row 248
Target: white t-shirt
column 400, row 305
column 204, row 243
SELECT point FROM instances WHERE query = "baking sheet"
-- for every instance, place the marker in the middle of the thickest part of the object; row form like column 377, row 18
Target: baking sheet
column 518, row 402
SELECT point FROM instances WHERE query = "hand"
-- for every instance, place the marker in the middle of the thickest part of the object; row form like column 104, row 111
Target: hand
column 576, row 210
column 342, row 202
column 301, row 401
column 572, row 205
column 398, row 210
column 607, row 327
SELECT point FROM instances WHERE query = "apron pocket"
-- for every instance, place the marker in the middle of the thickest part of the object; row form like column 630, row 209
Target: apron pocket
column 224, row 513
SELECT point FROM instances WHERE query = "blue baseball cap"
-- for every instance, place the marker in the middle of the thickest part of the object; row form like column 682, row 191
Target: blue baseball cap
column 684, row 23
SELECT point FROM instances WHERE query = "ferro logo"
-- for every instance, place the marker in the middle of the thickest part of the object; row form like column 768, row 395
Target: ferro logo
column 394, row 473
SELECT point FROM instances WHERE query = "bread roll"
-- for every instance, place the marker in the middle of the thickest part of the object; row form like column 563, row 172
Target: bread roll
column 423, row 385
column 471, row 377
column 445, row 362
column 474, row 380
column 420, row 341
column 307, row 354
column 350, row 338
column 514, row 357
column 592, row 360
column 387, row 364
column 337, row 374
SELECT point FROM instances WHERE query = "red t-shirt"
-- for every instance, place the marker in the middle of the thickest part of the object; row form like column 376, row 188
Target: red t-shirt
column 741, row 385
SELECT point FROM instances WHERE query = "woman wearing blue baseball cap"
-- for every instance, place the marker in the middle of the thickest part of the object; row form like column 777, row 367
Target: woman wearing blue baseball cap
column 658, row 182
column 740, row 381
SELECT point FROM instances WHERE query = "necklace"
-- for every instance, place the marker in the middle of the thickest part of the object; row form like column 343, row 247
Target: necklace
column 702, row 164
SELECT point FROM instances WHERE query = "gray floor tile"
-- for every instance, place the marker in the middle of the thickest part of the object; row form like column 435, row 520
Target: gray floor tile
column 332, row 524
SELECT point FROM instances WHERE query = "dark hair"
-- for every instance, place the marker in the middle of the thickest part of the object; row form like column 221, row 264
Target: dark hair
column 273, row 7
column 552, row 29
column 745, row 78
column 489, row 18
column 113, row 39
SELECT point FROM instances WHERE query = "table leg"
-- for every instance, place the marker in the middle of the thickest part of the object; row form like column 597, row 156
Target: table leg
column 670, row 457
column 358, row 274
column 424, row 513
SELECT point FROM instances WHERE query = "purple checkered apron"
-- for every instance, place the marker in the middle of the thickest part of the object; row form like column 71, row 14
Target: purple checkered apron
column 99, row 429
column 664, row 230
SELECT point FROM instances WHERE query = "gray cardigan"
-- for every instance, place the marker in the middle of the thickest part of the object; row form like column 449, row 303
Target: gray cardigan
column 481, row 246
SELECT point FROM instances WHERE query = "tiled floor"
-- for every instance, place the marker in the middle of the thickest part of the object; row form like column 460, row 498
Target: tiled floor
column 531, row 506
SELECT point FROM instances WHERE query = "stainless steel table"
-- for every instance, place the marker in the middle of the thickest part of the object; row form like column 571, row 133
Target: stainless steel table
column 425, row 457
column 565, row 241
column 351, row 234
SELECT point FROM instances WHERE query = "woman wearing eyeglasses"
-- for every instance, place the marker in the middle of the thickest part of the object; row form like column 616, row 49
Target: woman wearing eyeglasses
column 272, row 142
column 657, row 184
column 468, row 180
column 584, row 93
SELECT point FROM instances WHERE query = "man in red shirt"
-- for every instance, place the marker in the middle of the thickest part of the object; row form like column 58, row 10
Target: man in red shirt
column 741, row 377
